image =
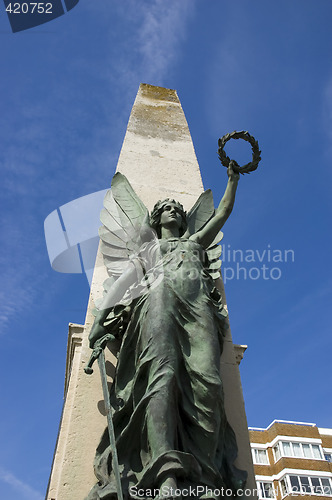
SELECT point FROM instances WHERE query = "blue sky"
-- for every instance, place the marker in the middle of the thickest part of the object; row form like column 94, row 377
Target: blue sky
column 67, row 89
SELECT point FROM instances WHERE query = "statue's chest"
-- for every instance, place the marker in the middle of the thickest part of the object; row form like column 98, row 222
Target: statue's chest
column 181, row 253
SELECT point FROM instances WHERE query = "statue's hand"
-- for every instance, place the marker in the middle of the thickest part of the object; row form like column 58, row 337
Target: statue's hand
column 97, row 331
column 232, row 175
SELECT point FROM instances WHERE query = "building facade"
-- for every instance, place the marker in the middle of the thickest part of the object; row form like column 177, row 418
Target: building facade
column 292, row 459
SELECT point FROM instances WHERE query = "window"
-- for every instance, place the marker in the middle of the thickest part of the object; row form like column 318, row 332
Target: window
column 307, row 451
column 259, row 456
column 327, row 490
column 299, row 450
column 316, row 451
column 287, row 449
column 265, row 489
column 276, row 451
column 291, row 484
column 328, row 457
column 283, row 486
column 295, row 483
column 316, row 485
column 305, row 484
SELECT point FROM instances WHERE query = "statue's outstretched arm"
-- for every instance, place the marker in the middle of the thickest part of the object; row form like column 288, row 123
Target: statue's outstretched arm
column 207, row 234
column 113, row 296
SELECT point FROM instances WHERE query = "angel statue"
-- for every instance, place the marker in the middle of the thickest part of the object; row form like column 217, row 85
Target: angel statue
column 162, row 303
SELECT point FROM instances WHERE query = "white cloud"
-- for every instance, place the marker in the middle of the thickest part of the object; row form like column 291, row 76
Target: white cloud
column 162, row 28
column 24, row 489
column 150, row 45
column 19, row 264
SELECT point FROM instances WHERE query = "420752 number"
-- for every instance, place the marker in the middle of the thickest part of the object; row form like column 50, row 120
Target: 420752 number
column 29, row 8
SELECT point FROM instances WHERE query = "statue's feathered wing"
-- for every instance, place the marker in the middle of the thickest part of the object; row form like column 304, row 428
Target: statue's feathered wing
column 197, row 218
column 122, row 217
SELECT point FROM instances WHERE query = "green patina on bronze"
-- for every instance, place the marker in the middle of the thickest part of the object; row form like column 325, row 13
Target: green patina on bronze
column 167, row 397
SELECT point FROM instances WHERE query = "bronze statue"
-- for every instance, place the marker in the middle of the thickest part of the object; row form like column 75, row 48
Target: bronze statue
column 169, row 420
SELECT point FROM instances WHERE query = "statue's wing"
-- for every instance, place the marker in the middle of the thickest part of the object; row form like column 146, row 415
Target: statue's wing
column 122, row 218
column 197, row 217
column 214, row 253
column 201, row 212
column 132, row 210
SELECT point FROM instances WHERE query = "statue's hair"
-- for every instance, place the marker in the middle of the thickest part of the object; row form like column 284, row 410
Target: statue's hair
column 157, row 211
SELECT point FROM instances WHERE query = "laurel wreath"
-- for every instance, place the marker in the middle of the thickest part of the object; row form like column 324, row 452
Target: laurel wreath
column 256, row 153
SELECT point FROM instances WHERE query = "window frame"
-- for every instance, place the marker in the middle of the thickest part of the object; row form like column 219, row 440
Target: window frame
column 261, row 490
column 255, row 449
column 279, row 446
column 288, row 490
column 275, row 447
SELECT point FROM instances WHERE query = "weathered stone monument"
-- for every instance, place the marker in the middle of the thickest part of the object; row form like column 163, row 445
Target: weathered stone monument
column 159, row 160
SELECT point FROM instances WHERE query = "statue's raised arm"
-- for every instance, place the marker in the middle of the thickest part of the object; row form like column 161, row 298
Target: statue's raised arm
column 207, row 234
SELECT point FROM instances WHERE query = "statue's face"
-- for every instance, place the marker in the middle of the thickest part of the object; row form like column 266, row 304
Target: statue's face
column 171, row 216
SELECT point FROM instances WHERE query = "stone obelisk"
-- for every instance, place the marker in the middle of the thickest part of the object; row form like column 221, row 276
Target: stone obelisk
column 159, row 160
